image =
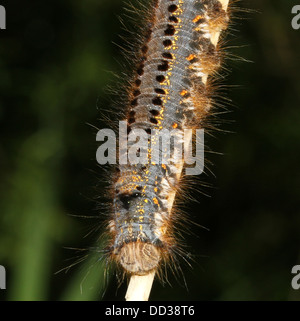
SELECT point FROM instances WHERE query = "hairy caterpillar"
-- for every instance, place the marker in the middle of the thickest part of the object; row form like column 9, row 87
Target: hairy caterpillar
column 171, row 89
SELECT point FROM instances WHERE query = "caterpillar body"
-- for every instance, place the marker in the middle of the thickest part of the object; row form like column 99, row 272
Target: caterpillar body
column 170, row 90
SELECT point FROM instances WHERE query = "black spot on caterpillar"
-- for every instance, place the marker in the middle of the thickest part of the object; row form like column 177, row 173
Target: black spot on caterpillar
column 170, row 88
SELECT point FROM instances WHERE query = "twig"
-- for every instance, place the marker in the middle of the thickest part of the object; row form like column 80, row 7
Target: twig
column 139, row 287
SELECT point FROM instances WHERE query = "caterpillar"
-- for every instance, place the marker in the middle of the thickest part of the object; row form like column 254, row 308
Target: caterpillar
column 171, row 89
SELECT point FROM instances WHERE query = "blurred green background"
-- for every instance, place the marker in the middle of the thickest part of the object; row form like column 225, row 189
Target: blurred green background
column 56, row 57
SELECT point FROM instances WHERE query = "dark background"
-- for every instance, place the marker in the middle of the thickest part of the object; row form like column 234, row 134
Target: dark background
column 56, row 59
